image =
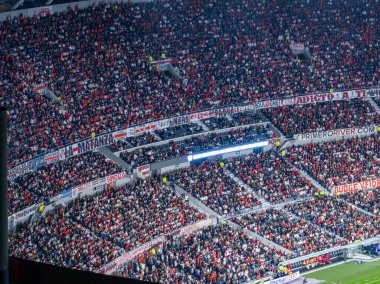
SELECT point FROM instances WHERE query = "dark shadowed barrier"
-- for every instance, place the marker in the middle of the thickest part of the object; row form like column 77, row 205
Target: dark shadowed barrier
column 25, row 271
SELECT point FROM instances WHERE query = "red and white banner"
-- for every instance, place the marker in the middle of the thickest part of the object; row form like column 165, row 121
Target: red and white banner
column 110, row 267
column 116, row 177
column 285, row 279
column 337, row 133
column 143, row 171
column 40, row 89
column 24, row 213
column 353, row 187
column 107, row 139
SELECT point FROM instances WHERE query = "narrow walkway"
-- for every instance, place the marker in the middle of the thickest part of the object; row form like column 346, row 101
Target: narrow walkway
column 357, row 208
column 205, row 128
column 203, row 208
column 118, row 161
column 291, row 215
column 274, row 128
column 307, row 176
column 374, row 104
column 264, row 202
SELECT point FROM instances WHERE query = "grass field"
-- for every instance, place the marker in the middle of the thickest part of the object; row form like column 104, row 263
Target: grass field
column 349, row 273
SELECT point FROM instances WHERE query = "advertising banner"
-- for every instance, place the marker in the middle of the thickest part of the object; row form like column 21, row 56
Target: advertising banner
column 116, row 177
column 353, row 187
column 66, row 193
column 285, row 279
column 24, row 213
column 110, row 138
column 110, row 267
column 143, row 171
column 337, row 133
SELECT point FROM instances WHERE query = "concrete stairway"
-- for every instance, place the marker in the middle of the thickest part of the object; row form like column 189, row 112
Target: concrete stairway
column 203, row 208
column 374, row 104
column 108, row 153
column 264, row 202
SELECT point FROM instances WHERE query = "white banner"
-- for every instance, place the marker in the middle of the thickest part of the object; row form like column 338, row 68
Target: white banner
column 143, row 171
column 110, row 138
column 284, row 279
column 110, row 267
column 337, row 133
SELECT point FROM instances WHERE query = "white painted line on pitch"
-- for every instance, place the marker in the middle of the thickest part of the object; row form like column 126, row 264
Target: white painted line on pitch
column 374, row 281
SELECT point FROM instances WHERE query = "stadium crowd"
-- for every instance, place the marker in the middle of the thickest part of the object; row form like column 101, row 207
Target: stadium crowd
column 366, row 199
column 57, row 240
column 100, row 72
column 213, row 140
column 339, row 162
column 323, row 116
column 209, row 183
column 333, row 214
column 134, row 214
column 215, row 254
column 48, row 181
column 271, row 176
column 93, row 230
column 295, row 234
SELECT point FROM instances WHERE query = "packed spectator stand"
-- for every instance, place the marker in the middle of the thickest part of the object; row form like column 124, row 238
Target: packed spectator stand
column 339, row 162
column 293, row 233
column 271, row 176
column 93, row 230
column 367, row 200
column 216, row 254
column 48, row 181
column 323, row 116
column 226, row 53
column 194, row 144
column 209, row 183
column 103, row 83
column 333, row 214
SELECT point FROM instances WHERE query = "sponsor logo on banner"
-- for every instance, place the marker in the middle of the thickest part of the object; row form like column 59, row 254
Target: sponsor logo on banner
column 97, row 142
column 19, row 170
column 373, row 93
column 284, row 279
column 83, row 187
column 66, row 193
column 37, row 163
column 74, row 192
column 119, row 135
column 150, row 126
column 164, row 123
column 40, row 89
column 98, row 181
column 353, row 187
column 336, row 133
column 179, row 120
column 52, row 157
column 24, row 213
column 115, row 177
column 200, row 115
column 139, row 130
column 143, row 171
column 68, row 152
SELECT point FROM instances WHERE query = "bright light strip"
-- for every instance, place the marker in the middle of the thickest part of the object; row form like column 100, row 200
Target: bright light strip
column 227, row 150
